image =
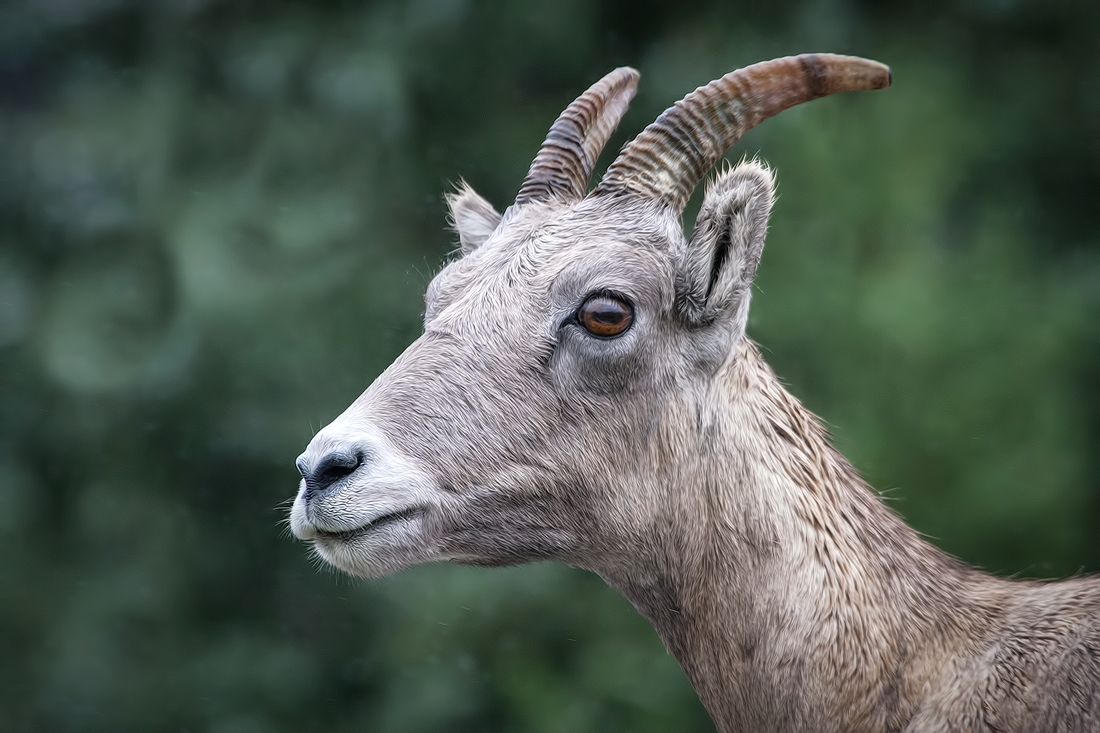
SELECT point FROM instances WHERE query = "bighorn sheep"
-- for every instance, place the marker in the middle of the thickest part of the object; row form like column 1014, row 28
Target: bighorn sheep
column 584, row 391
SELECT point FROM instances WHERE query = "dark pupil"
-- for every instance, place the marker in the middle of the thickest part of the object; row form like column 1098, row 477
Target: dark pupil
column 607, row 312
column 605, row 316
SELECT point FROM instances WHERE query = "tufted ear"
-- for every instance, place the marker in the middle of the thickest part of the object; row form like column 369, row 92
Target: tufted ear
column 717, row 268
column 472, row 217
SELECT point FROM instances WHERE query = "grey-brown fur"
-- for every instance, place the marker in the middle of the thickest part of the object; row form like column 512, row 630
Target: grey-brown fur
column 672, row 462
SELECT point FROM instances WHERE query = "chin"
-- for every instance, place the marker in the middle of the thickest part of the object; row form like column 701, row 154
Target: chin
column 376, row 551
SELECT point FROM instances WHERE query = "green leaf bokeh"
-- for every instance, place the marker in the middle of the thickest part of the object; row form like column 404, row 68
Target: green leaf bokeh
column 216, row 222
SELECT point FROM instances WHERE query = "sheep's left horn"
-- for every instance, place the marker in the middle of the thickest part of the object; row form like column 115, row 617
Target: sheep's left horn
column 564, row 164
column 669, row 158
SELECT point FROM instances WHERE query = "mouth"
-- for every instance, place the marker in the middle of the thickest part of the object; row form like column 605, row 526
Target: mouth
column 385, row 520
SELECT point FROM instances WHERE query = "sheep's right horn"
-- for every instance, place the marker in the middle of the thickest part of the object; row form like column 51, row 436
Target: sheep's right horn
column 669, row 158
column 564, row 163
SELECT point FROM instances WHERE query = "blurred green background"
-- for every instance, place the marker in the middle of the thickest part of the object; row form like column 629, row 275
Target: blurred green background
column 216, row 222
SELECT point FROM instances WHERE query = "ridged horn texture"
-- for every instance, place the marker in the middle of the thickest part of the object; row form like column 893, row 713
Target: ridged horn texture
column 564, row 163
column 670, row 157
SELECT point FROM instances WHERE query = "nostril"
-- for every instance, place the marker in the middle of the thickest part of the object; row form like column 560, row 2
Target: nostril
column 338, row 465
column 329, row 470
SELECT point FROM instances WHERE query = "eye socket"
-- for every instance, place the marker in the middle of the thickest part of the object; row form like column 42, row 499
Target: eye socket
column 605, row 315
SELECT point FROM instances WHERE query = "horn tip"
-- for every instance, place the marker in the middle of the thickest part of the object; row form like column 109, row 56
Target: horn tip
column 839, row 73
column 628, row 74
column 879, row 75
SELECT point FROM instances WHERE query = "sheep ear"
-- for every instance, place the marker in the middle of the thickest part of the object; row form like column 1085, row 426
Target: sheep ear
column 472, row 217
column 718, row 266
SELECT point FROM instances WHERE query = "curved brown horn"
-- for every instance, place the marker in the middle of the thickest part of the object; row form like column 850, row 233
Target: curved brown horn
column 564, row 162
column 669, row 158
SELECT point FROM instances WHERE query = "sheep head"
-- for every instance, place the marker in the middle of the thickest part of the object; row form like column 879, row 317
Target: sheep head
column 558, row 404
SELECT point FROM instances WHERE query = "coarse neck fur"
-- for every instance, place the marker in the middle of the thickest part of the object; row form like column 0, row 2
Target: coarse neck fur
column 791, row 595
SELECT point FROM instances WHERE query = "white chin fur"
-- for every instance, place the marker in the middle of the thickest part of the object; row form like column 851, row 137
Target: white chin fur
column 378, row 551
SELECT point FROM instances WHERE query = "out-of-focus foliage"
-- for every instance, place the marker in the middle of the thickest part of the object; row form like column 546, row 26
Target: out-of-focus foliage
column 217, row 221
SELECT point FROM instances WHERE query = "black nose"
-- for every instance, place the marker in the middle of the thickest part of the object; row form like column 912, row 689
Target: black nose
column 328, row 471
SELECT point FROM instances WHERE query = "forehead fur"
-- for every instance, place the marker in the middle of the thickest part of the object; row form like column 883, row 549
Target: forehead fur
column 535, row 245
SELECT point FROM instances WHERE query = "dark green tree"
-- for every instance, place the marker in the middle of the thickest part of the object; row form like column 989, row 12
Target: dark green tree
column 216, row 222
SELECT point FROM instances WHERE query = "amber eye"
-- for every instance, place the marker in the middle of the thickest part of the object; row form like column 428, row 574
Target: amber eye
column 605, row 316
